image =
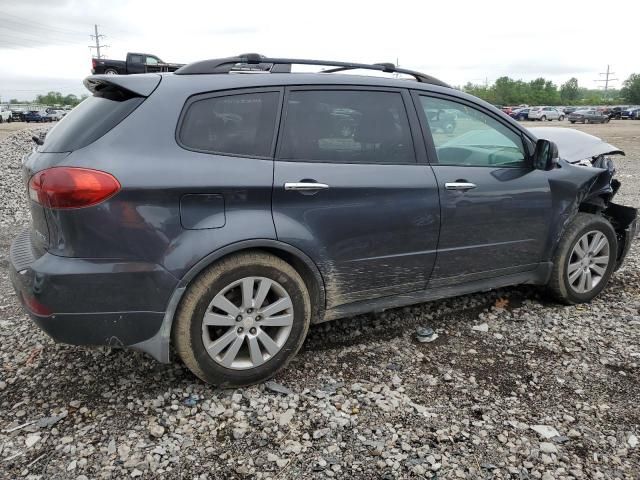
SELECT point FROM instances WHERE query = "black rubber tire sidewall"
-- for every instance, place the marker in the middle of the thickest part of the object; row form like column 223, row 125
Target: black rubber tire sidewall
column 216, row 374
column 559, row 283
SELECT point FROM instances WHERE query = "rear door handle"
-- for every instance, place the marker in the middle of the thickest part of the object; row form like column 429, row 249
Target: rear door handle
column 305, row 186
column 459, row 185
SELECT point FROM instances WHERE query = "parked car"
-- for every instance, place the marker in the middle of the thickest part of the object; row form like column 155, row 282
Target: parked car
column 135, row 63
column 17, row 115
column 442, row 120
column 590, row 115
column 54, row 115
column 520, row 114
column 568, row 110
column 5, row 115
column 614, row 113
column 36, row 116
column 545, row 113
column 630, row 113
column 308, row 197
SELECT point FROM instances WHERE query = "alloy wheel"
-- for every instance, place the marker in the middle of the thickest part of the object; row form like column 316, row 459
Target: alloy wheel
column 588, row 261
column 247, row 323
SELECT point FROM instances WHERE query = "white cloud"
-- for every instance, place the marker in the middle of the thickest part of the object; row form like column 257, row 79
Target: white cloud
column 457, row 41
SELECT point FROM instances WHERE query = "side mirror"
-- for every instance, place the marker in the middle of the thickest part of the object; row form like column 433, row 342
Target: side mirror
column 545, row 156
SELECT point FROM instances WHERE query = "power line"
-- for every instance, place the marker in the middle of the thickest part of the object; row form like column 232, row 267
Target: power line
column 97, row 38
column 606, row 80
column 26, row 21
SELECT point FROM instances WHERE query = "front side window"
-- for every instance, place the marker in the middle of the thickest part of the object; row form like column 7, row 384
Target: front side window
column 152, row 61
column 240, row 124
column 346, row 126
column 135, row 59
column 465, row 136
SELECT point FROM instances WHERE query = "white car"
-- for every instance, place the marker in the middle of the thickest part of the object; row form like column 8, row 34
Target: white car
column 5, row 116
column 545, row 113
column 55, row 115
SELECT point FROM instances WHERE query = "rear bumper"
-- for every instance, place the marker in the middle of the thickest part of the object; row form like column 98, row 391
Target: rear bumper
column 90, row 301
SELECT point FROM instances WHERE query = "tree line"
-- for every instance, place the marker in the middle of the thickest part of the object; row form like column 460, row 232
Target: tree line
column 507, row 91
column 54, row 98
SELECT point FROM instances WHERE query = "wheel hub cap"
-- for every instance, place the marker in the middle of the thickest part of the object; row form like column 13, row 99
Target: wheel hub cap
column 247, row 323
column 588, row 261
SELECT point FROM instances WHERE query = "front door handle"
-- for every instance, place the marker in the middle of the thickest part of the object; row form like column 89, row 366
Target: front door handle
column 459, row 186
column 305, row 186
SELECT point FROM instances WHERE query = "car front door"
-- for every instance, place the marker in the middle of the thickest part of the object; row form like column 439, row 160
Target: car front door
column 352, row 190
column 494, row 205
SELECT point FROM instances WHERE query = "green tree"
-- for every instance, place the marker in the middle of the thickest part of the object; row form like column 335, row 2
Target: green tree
column 570, row 91
column 631, row 89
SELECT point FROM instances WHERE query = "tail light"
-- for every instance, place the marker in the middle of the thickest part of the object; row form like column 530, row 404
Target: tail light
column 93, row 63
column 71, row 187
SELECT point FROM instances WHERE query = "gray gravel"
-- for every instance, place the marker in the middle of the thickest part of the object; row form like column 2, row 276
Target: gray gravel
column 513, row 387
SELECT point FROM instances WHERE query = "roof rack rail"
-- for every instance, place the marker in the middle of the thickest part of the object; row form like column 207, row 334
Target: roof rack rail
column 257, row 62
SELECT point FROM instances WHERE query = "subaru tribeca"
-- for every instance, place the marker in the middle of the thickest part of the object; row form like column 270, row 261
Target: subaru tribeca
column 223, row 213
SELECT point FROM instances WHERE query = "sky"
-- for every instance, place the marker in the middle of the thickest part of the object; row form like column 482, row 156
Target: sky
column 44, row 43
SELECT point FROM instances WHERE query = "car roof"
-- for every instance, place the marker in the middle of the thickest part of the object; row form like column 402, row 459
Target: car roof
column 213, row 81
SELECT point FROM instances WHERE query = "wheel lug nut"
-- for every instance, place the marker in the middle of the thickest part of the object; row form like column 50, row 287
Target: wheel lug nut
column 253, row 331
column 240, row 329
column 258, row 318
column 239, row 318
column 249, row 310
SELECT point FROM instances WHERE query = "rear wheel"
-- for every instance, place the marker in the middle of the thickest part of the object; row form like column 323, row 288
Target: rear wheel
column 584, row 260
column 543, row 118
column 111, row 71
column 586, row 120
column 242, row 320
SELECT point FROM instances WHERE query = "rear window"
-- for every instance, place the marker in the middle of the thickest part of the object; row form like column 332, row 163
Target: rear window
column 90, row 120
column 239, row 124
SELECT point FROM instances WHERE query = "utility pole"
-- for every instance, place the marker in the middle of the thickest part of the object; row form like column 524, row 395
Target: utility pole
column 97, row 38
column 606, row 80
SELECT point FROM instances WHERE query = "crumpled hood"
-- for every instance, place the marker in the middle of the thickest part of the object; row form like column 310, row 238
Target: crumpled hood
column 574, row 145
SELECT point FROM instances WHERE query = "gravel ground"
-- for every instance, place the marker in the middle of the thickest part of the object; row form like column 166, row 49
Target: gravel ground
column 514, row 387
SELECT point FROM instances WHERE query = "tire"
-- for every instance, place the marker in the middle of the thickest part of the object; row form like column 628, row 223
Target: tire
column 572, row 122
column 586, row 120
column 543, row 118
column 190, row 335
column 606, row 120
column 561, row 118
column 589, row 226
column 111, row 71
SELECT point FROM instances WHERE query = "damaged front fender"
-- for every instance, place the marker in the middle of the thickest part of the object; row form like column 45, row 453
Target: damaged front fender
column 583, row 181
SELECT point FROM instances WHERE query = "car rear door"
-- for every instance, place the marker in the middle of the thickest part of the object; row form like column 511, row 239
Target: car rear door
column 494, row 205
column 352, row 190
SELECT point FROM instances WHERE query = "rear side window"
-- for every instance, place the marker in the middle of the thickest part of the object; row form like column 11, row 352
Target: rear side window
column 90, row 120
column 241, row 124
column 346, row 126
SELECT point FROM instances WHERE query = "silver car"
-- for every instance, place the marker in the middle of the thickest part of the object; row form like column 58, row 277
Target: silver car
column 545, row 113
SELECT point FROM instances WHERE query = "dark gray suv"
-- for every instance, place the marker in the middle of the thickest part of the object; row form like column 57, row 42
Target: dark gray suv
column 225, row 207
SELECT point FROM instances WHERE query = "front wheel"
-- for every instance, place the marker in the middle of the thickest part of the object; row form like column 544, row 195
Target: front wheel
column 561, row 118
column 584, row 260
column 242, row 320
column 572, row 122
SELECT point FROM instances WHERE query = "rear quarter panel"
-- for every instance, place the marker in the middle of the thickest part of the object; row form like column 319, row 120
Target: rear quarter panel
column 142, row 221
